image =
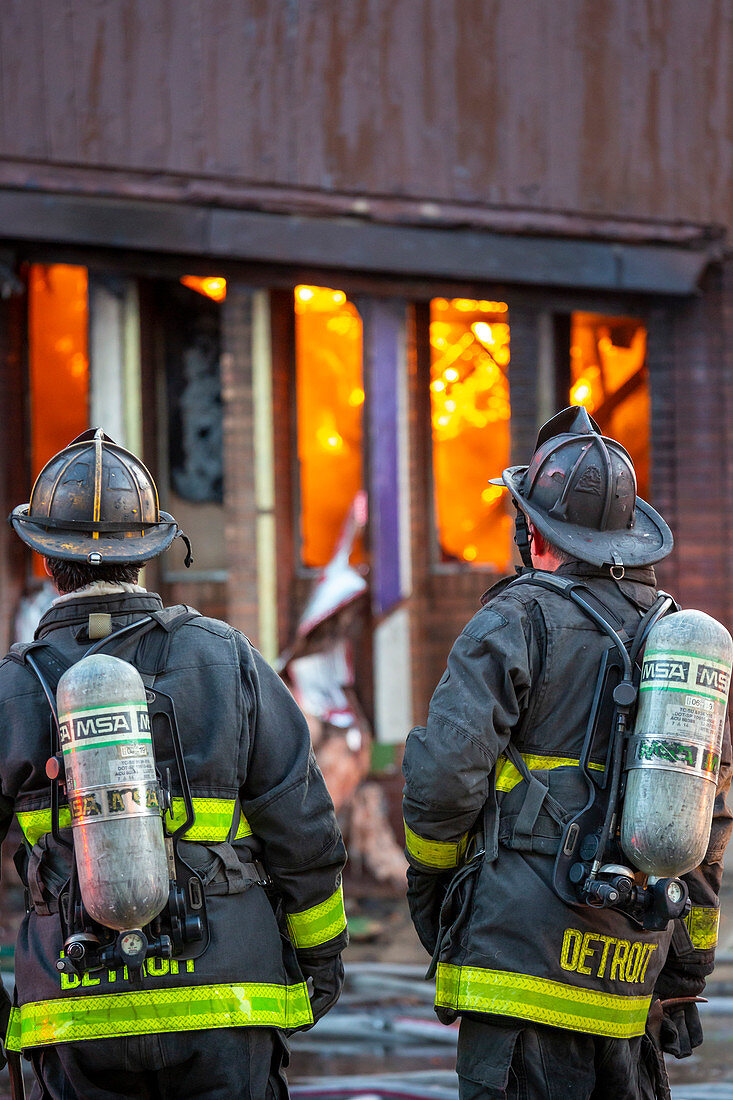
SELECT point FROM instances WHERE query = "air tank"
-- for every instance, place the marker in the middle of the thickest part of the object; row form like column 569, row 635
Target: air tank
column 673, row 757
column 113, row 792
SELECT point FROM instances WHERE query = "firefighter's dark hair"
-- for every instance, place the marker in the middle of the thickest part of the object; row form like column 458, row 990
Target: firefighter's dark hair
column 70, row 575
column 562, row 555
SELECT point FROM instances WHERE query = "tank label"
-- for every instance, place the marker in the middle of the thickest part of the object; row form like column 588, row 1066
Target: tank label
column 107, row 803
column 699, row 702
column 668, row 753
column 682, row 703
column 103, row 725
column 138, row 770
column 666, row 670
column 684, row 671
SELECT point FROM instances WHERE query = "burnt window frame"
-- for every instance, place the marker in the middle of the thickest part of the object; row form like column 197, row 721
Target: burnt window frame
column 557, row 307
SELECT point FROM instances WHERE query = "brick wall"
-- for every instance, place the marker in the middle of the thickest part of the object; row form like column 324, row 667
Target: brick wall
column 690, row 368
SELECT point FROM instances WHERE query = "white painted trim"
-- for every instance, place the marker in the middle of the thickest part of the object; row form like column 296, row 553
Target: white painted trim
column 392, row 678
column 264, row 459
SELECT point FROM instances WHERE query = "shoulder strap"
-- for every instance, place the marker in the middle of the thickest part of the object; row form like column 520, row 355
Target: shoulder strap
column 156, row 630
column 43, row 657
column 663, row 605
column 151, row 654
column 571, row 590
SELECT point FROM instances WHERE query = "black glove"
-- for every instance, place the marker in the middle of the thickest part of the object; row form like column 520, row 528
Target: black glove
column 327, row 976
column 425, row 896
column 681, row 1030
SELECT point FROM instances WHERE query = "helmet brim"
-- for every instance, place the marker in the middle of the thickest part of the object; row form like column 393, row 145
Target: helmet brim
column 77, row 546
column 647, row 542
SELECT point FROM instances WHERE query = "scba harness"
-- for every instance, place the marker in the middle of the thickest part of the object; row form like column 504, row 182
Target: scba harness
column 200, row 858
column 590, row 865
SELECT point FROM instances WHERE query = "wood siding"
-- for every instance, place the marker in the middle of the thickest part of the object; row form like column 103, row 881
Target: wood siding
column 598, row 107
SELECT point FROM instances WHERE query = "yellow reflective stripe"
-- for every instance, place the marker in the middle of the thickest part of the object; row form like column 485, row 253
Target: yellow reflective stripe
column 507, row 775
column 441, row 854
column 212, row 824
column 471, row 988
column 702, row 924
column 152, row 1011
column 12, row 1035
column 34, row 823
column 319, row 924
column 213, row 819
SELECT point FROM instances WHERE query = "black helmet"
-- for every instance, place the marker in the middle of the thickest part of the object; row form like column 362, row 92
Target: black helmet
column 95, row 502
column 579, row 491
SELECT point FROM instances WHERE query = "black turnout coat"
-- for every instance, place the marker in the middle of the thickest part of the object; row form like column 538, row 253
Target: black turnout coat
column 523, row 670
column 258, row 795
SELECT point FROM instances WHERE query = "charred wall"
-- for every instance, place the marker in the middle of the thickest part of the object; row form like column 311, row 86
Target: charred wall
column 617, row 107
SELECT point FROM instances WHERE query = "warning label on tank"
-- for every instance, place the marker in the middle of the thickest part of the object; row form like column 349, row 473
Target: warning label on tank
column 90, row 728
column 139, row 800
column 136, row 770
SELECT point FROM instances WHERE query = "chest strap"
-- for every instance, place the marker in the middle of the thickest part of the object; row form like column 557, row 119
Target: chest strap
column 537, row 798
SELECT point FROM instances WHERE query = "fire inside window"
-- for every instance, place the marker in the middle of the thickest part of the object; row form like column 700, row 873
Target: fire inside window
column 58, row 323
column 469, row 400
column 330, row 399
column 608, row 375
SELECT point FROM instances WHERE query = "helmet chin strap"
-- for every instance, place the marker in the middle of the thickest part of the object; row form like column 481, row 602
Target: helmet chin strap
column 522, row 539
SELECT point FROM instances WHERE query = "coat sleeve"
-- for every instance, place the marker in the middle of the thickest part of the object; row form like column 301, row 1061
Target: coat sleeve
column 449, row 762
column 692, row 951
column 288, row 807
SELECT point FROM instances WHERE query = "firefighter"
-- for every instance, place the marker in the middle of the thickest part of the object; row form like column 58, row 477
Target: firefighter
column 557, row 1000
column 256, row 947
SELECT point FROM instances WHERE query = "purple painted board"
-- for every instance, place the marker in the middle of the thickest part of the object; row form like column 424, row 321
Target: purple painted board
column 383, row 329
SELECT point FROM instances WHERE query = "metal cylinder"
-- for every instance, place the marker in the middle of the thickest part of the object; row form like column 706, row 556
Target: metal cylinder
column 113, row 792
column 673, row 757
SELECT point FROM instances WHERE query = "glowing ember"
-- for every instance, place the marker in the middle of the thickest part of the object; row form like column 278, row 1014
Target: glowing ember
column 212, row 286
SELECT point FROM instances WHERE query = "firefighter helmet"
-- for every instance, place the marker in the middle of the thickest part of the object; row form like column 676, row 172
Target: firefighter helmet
column 579, row 491
column 95, row 502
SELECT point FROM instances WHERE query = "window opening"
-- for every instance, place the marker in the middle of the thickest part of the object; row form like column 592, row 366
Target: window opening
column 330, row 400
column 609, row 376
column 58, row 328
column 190, row 329
column 470, row 412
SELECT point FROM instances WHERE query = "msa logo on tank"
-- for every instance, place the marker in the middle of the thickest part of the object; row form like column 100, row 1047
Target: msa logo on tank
column 716, row 678
column 665, row 670
column 685, row 755
column 685, row 670
column 114, row 802
column 121, row 724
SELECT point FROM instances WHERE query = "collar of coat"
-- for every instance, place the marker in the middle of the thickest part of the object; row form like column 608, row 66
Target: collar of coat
column 118, row 605
column 641, row 574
